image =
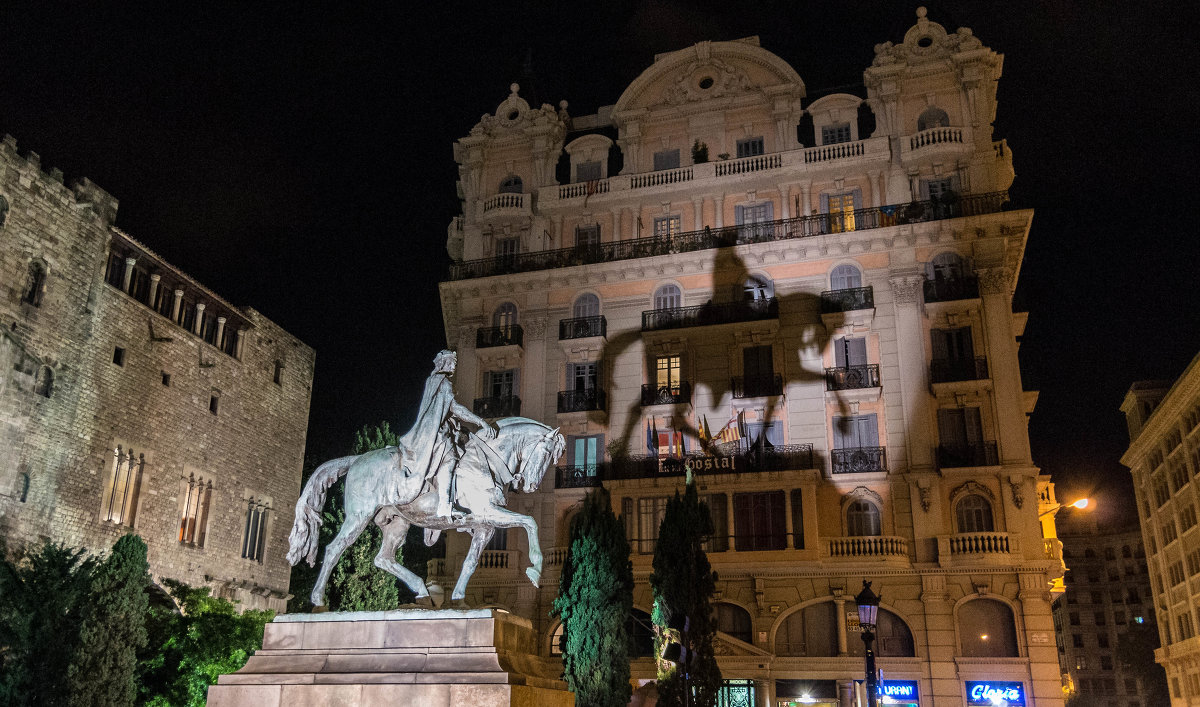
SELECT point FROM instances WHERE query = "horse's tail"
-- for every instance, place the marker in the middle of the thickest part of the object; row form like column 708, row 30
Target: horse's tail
column 306, row 530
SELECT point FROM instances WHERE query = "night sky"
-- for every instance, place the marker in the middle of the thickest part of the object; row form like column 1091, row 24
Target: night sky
column 297, row 159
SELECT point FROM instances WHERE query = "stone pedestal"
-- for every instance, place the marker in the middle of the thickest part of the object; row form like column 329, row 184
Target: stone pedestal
column 421, row 657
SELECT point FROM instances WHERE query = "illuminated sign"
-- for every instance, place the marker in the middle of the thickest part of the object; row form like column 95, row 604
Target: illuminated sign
column 898, row 688
column 989, row 694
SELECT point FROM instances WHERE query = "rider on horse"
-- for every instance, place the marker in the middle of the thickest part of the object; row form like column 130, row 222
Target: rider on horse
column 431, row 448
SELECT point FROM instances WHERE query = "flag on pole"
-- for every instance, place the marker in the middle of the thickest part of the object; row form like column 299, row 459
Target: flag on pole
column 654, row 440
column 651, row 440
column 704, row 433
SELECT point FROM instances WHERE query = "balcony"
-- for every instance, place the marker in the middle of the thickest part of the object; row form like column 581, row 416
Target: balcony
column 708, row 238
column 507, row 205
column 852, row 377
column 950, row 289
column 581, row 400
column 709, row 313
column 576, row 477
column 511, row 335
column 847, row 300
column 756, row 386
column 498, row 406
column 666, row 395
column 781, row 457
column 877, row 546
column 951, row 370
column 582, row 327
column 859, row 460
column 976, row 454
column 979, row 544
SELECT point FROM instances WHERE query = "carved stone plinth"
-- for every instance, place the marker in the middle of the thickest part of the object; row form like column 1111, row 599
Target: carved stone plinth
column 405, row 657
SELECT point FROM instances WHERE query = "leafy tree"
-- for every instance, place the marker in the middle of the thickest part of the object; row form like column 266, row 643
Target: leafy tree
column 193, row 648
column 1135, row 652
column 683, row 583
column 42, row 598
column 103, row 669
column 595, row 595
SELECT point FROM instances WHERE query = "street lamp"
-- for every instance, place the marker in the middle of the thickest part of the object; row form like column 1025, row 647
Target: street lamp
column 868, row 609
column 1080, row 504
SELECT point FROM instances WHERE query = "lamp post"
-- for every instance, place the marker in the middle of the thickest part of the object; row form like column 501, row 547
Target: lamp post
column 868, row 609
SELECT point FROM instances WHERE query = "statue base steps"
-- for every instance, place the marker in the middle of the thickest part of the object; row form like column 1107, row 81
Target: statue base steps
column 420, row 657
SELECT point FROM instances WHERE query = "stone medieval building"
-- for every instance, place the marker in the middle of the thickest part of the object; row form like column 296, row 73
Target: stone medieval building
column 823, row 285
column 134, row 399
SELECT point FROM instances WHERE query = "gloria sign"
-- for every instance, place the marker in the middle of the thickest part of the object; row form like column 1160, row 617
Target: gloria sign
column 992, row 693
column 900, row 689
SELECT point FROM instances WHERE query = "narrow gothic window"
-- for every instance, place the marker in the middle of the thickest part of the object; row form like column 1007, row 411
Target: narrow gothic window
column 197, row 493
column 44, row 384
column 255, row 534
column 279, row 373
column 125, row 481
column 36, row 286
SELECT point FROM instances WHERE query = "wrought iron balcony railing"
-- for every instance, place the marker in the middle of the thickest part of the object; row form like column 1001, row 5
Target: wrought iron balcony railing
column 949, row 289
column 667, row 394
column 581, row 400
column 972, row 454
column 703, row 239
column 847, row 300
column 852, row 377
column 949, row 370
column 511, row 335
column 498, row 406
column 780, row 457
column 709, row 313
column 756, row 386
column 576, row 477
column 859, row 460
column 582, row 327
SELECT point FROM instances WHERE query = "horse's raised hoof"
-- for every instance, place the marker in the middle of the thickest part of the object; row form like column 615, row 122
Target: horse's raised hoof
column 534, row 576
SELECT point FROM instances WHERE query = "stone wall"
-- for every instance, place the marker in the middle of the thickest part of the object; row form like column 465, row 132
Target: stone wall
column 57, row 453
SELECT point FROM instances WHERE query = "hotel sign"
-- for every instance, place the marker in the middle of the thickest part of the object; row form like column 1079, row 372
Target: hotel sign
column 995, row 693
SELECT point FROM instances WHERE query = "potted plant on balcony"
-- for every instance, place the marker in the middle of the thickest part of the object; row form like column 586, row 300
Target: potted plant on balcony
column 699, row 152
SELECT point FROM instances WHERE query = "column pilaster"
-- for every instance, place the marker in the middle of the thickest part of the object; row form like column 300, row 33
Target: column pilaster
column 914, row 378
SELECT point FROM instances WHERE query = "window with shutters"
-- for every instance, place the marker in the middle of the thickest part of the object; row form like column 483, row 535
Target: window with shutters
column 840, row 209
column 758, row 521
column 974, row 514
column 750, row 147
column 650, row 513
column 585, row 452
column 587, row 171
column 755, row 436
column 254, row 535
column 582, row 376
column 718, row 512
column 831, row 134
column 507, row 248
column 960, row 433
column 666, row 159
column 733, row 620
column 855, row 431
column 811, row 632
column 123, row 488
column 863, row 519
column 195, row 494
column 749, row 214
column 587, row 237
column 850, row 351
column 845, row 277
column 797, row 519
column 952, row 344
column 758, row 373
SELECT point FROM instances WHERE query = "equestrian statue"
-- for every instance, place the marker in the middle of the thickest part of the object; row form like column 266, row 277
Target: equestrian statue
column 451, row 471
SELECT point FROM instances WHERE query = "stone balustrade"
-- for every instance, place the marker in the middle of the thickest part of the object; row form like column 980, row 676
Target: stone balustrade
column 866, row 546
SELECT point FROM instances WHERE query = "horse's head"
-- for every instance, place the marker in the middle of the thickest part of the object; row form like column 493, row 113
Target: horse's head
column 539, row 455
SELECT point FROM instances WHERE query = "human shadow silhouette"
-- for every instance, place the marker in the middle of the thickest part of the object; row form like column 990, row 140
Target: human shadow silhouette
column 738, row 295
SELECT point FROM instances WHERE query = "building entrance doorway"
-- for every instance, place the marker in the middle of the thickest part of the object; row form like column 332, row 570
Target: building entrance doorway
column 736, row 693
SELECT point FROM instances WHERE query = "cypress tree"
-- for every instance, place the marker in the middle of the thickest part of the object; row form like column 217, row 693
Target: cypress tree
column 103, row 669
column 595, row 595
column 683, row 583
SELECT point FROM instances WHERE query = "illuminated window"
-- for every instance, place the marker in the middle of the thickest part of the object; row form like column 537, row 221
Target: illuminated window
column 124, row 485
column 254, row 536
column 667, row 226
column 667, row 375
column 840, row 208
column 505, row 315
column 195, row 494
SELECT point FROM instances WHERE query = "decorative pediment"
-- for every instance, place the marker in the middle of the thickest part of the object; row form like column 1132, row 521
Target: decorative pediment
column 702, row 80
column 514, row 115
column 726, row 645
column 926, row 41
column 862, row 493
column 971, row 487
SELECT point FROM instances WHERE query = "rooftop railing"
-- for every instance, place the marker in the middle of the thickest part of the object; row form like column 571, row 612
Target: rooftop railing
column 707, row 238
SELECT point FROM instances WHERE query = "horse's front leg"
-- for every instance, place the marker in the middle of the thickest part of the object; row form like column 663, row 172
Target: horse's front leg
column 479, row 538
column 504, row 518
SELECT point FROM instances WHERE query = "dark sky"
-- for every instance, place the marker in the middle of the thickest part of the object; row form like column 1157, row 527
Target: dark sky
column 297, row 158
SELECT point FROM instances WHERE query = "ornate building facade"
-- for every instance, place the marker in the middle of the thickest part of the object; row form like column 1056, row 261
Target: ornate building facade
column 1164, row 458
column 134, row 399
column 824, row 287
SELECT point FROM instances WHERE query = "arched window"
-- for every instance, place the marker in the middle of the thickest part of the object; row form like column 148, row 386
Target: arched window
column 667, row 297
column 586, row 305
column 811, row 632
column 986, row 629
column 974, row 514
column 505, row 315
column 758, row 288
column 862, row 519
column 933, row 117
column 893, row 639
column 512, row 184
column 845, row 277
column 733, row 620
column 946, row 266
column 36, row 284
column 44, row 383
